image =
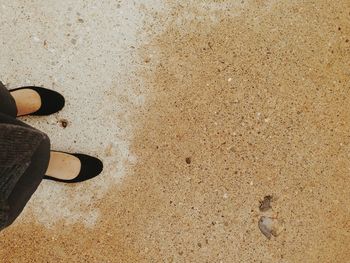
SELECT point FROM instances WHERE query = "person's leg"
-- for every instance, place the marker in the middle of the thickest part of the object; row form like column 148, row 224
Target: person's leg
column 29, row 181
column 7, row 102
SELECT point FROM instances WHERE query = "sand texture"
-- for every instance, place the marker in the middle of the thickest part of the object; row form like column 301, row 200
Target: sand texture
column 224, row 127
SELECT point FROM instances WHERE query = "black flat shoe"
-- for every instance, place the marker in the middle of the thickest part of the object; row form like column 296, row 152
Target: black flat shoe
column 90, row 168
column 51, row 101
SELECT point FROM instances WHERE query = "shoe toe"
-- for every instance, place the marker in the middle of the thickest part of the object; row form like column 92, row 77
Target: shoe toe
column 90, row 167
column 51, row 101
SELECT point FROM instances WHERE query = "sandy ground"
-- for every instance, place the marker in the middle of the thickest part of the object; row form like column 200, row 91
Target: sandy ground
column 199, row 109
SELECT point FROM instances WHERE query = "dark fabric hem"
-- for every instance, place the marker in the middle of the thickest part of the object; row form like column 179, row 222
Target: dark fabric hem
column 7, row 102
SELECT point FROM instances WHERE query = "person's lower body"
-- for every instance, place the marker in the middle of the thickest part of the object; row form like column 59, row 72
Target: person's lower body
column 33, row 175
column 29, row 180
column 20, row 141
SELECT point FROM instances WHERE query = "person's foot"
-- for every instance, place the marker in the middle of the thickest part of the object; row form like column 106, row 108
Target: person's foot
column 37, row 101
column 27, row 101
column 72, row 168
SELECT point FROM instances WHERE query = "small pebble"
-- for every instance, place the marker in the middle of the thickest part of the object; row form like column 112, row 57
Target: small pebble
column 269, row 226
column 64, row 123
column 265, row 204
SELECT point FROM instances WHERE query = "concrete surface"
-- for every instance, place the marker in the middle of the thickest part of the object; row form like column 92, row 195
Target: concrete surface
column 199, row 109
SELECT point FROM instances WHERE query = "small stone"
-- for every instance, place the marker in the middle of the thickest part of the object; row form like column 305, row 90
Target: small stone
column 64, row 123
column 188, row 160
column 265, row 204
column 269, row 226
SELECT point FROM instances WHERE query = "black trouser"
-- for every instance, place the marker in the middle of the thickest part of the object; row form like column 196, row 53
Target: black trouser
column 31, row 178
